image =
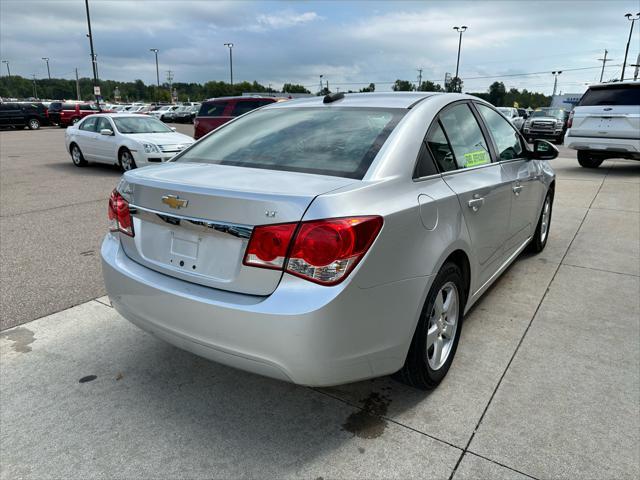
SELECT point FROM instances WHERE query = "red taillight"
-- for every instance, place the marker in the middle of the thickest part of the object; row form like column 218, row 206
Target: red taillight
column 119, row 214
column 570, row 120
column 268, row 245
column 322, row 251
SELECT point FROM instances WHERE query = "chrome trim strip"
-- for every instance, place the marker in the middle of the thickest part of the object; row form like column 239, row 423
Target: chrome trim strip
column 237, row 230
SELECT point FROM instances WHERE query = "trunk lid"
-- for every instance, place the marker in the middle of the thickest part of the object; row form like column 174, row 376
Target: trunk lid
column 606, row 121
column 200, row 231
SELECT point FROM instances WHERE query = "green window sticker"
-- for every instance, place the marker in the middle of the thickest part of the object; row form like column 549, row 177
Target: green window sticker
column 473, row 159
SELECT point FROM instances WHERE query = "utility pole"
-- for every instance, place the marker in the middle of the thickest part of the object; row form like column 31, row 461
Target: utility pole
column 419, row 79
column 46, row 59
column 155, row 50
column 230, row 45
column 93, row 55
column 637, row 69
column 170, row 82
column 35, row 87
column 8, row 71
column 77, row 86
column 461, row 30
column 633, row 19
column 555, row 81
column 320, row 91
column 604, row 61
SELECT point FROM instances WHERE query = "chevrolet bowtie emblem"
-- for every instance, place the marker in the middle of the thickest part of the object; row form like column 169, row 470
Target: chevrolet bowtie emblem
column 174, row 201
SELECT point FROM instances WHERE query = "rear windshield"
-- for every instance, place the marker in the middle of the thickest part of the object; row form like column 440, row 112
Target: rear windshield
column 212, row 109
column 339, row 141
column 618, row 95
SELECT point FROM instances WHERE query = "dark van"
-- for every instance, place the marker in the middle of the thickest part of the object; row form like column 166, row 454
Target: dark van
column 20, row 115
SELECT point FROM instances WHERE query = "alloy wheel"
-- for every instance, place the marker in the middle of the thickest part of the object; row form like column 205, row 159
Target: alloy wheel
column 126, row 160
column 544, row 226
column 443, row 324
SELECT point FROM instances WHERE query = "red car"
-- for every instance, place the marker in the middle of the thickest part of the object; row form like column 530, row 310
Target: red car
column 217, row 111
column 67, row 113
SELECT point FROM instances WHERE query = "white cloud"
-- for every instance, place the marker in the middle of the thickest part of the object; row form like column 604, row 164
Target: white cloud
column 286, row 19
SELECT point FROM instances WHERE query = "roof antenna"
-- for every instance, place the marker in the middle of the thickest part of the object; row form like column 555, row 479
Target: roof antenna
column 332, row 97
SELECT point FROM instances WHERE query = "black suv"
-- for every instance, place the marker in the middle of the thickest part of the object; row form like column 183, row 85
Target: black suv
column 21, row 115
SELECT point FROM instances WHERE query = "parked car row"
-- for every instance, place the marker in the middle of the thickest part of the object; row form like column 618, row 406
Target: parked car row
column 21, row 115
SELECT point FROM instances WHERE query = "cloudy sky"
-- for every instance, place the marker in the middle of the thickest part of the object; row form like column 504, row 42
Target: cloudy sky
column 350, row 43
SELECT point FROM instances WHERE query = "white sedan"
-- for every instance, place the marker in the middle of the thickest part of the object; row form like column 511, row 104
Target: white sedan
column 128, row 140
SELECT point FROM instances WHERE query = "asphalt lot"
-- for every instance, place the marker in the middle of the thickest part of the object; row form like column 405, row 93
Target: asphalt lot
column 545, row 384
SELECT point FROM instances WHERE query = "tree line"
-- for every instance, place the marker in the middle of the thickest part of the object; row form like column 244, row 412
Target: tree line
column 58, row 88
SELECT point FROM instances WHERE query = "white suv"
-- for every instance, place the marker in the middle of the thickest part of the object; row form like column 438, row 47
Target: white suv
column 606, row 124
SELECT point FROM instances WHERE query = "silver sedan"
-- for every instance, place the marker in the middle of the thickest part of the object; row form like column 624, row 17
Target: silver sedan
column 331, row 239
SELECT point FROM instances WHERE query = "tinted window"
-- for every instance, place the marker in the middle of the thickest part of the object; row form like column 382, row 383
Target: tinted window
column 8, row 106
column 89, row 125
column 68, row 106
column 506, row 138
column 328, row 141
column 212, row 109
column 440, row 149
column 88, row 107
column 103, row 123
column 465, row 136
column 243, row 106
column 618, row 95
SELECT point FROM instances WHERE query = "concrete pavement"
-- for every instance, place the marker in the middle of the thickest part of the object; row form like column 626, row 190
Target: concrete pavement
column 545, row 384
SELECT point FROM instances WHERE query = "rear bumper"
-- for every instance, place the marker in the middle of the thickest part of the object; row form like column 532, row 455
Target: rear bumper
column 610, row 147
column 302, row 333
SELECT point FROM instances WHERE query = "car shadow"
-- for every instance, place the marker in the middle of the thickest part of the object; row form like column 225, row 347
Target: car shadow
column 92, row 169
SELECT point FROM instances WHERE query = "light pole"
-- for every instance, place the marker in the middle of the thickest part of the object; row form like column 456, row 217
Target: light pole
column 230, row 45
column 633, row 19
column 46, row 59
column 8, row 71
column 155, row 50
column 320, row 91
column 555, row 81
column 460, row 30
column 93, row 55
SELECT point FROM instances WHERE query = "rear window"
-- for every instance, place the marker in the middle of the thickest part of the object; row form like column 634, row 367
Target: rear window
column 618, row 95
column 339, row 141
column 87, row 106
column 243, row 106
column 212, row 109
column 68, row 106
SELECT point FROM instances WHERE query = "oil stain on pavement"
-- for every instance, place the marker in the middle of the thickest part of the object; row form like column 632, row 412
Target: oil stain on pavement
column 21, row 338
column 369, row 422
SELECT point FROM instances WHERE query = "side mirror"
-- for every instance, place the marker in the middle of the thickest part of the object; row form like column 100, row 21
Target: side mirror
column 543, row 150
column 106, row 131
column 173, row 128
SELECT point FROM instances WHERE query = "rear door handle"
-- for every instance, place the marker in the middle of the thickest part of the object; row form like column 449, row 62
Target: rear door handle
column 476, row 203
column 517, row 189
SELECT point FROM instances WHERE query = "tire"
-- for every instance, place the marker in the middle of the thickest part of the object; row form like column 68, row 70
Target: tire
column 125, row 159
column 33, row 124
column 422, row 368
column 586, row 160
column 540, row 237
column 76, row 156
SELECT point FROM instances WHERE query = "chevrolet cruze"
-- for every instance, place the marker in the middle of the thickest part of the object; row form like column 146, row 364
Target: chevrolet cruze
column 330, row 239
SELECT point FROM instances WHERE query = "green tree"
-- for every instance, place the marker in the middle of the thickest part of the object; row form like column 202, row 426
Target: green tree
column 370, row 88
column 454, row 85
column 294, row 88
column 497, row 94
column 403, row 86
column 428, row 86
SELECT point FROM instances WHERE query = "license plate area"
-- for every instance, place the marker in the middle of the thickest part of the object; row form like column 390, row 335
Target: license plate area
column 188, row 248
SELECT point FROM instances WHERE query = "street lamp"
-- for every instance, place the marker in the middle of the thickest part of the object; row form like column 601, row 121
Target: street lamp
column 46, row 59
column 230, row 45
column 460, row 30
column 155, row 50
column 8, row 71
column 633, row 19
column 555, row 81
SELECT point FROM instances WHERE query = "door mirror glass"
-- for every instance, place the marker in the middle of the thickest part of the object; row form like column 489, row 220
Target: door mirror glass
column 543, row 150
column 173, row 128
column 106, row 131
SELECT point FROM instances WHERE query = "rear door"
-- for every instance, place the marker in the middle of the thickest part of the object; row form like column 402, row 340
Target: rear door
column 483, row 189
column 608, row 111
column 525, row 176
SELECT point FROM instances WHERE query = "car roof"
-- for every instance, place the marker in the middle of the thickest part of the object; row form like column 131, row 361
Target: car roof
column 378, row 100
